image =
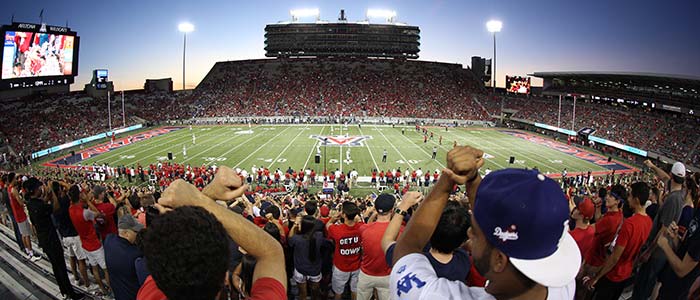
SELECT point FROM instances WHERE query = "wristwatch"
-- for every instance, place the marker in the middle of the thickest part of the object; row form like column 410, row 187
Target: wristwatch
column 400, row 212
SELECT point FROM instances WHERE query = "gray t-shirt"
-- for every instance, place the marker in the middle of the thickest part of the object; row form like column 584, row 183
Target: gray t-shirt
column 670, row 211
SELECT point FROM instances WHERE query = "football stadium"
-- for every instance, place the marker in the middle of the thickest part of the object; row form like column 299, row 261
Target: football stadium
column 349, row 151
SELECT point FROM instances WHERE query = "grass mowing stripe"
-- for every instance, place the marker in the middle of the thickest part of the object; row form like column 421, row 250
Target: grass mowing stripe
column 421, row 149
column 234, row 136
column 492, row 150
column 133, row 147
column 172, row 148
column 285, row 148
column 522, row 152
column 312, row 148
column 572, row 160
column 376, row 167
column 397, row 150
column 261, row 146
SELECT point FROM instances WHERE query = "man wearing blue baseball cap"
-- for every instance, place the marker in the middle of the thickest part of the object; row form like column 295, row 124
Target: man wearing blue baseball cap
column 518, row 238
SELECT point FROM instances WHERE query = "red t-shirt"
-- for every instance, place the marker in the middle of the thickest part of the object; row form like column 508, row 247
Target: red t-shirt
column 348, row 246
column 149, row 291
column 373, row 259
column 85, row 229
column 17, row 209
column 108, row 210
column 634, row 232
column 584, row 239
column 604, row 233
column 267, row 289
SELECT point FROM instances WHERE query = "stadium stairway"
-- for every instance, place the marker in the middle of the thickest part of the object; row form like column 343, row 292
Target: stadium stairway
column 475, row 99
column 39, row 273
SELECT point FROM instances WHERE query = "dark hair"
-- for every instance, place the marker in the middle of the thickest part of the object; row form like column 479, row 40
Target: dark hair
column 273, row 230
column 602, row 192
column 247, row 268
column 10, row 177
column 310, row 207
column 74, row 194
column 135, row 201
column 274, row 210
column 187, row 252
column 308, row 224
column 621, row 193
column 31, row 185
column 677, row 179
column 451, row 230
column 56, row 188
column 350, row 210
column 640, row 190
column 151, row 214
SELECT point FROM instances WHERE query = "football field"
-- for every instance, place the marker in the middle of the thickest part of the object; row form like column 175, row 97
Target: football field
column 346, row 148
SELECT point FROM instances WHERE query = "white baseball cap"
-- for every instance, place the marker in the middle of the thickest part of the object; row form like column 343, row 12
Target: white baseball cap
column 678, row 169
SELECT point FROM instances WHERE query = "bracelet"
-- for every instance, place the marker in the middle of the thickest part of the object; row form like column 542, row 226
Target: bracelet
column 400, row 212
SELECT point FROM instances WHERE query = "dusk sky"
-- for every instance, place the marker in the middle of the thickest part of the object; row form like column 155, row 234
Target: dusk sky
column 136, row 40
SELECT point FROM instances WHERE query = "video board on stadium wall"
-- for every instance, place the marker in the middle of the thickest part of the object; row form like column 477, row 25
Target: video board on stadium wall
column 518, row 84
column 36, row 55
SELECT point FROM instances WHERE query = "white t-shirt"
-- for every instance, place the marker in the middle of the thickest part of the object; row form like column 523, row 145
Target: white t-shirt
column 414, row 278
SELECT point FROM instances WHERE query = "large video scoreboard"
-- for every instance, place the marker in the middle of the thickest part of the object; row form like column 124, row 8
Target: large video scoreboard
column 36, row 55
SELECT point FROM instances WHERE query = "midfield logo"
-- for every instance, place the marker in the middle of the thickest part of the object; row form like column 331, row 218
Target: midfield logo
column 341, row 140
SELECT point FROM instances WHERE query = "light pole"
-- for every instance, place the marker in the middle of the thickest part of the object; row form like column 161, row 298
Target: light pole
column 494, row 26
column 184, row 28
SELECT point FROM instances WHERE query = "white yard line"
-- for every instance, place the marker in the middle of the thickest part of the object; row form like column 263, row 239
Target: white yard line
column 340, row 155
column 234, row 136
column 494, row 149
column 312, row 149
column 285, row 148
column 261, row 146
column 426, row 153
column 127, row 149
column 397, row 150
column 376, row 167
column 146, row 149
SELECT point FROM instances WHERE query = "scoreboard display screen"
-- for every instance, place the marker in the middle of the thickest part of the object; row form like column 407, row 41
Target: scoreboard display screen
column 518, row 84
column 38, row 55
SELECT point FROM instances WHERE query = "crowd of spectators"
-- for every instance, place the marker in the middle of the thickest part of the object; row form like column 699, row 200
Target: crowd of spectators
column 338, row 87
column 213, row 235
column 669, row 134
column 348, row 88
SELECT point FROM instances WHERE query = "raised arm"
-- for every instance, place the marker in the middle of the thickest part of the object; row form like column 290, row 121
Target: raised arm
column 660, row 173
column 392, row 231
column 463, row 165
column 254, row 240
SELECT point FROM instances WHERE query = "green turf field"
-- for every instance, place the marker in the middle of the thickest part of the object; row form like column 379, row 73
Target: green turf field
column 294, row 145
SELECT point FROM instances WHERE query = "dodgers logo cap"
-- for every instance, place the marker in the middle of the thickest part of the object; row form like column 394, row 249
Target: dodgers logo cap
column 525, row 215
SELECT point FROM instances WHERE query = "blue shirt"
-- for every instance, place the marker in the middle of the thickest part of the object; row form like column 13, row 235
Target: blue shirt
column 120, row 256
column 456, row 269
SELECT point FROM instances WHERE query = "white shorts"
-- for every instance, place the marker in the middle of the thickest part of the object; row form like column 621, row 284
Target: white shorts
column 341, row 278
column 96, row 258
column 73, row 247
column 24, row 228
column 301, row 278
column 367, row 283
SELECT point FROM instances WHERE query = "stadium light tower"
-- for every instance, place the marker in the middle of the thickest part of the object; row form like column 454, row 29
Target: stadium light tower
column 305, row 12
column 184, row 28
column 389, row 15
column 495, row 26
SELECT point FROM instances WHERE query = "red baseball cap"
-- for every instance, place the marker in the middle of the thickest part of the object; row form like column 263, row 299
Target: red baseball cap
column 325, row 211
column 586, row 208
